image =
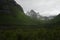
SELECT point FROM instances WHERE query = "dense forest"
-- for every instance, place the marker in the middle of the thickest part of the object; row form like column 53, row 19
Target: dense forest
column 16, row 25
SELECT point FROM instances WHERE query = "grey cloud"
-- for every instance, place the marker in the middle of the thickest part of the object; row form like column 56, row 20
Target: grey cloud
column 44, row 7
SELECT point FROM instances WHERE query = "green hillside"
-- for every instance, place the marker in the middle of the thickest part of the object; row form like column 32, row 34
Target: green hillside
column 12, row 14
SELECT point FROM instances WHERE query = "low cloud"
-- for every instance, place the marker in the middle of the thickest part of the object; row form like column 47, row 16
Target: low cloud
column 44, row 7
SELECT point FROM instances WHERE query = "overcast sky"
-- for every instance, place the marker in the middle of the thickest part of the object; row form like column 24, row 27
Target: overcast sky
column 44, row 7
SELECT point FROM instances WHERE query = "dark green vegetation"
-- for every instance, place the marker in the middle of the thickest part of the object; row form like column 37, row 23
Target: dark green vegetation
column 30, row 34
column 15, row 25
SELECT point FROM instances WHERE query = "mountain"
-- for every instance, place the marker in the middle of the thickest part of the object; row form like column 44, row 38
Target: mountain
column 32, row 14
column 8, row 6
column 56, row 20
column 9, row 10
column 35, row 15
column 12, row 14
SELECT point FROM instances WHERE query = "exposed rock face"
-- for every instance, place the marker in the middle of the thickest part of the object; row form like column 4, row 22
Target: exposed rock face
column 32, row 14
column 9, row 7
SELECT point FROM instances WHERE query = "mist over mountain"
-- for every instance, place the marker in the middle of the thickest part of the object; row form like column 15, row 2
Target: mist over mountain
column 36, row 15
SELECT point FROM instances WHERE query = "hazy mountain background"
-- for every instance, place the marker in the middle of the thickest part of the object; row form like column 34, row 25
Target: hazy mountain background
column 36, row 15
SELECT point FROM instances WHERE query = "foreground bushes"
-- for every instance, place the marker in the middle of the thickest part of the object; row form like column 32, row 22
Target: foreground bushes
column 30, row 34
